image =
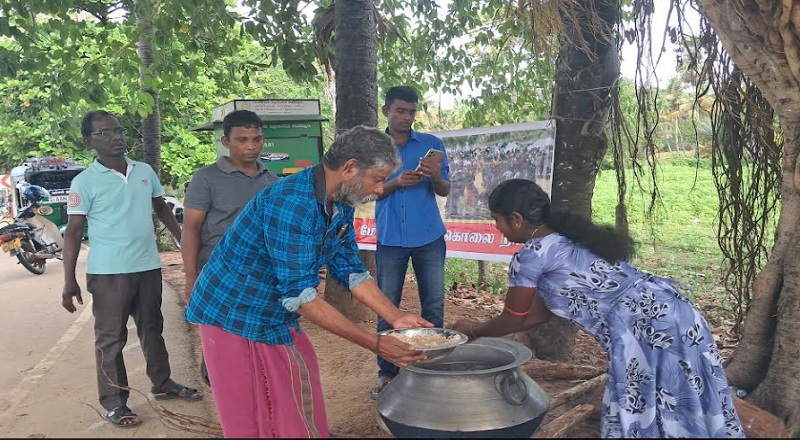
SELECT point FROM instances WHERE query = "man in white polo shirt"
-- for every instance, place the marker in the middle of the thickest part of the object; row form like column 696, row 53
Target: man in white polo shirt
column 116, row 195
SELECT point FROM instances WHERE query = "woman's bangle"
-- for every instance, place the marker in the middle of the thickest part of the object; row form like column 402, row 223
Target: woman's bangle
column 517, row 313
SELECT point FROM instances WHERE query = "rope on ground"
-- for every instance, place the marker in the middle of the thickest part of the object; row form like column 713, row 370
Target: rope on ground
column 170, row 419
column 186, row 422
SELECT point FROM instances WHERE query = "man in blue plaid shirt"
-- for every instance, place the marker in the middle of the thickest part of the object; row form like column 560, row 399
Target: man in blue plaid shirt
column 263, row 275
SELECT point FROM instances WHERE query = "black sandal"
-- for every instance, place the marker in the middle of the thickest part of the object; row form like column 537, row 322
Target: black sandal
column 123, row 417
column 179, row 392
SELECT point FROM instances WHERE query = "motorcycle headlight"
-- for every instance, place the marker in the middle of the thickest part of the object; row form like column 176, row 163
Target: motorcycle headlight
column 46, row 210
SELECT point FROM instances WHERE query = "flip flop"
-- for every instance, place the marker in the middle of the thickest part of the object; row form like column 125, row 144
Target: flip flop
column 123, row 417
column 179, row 392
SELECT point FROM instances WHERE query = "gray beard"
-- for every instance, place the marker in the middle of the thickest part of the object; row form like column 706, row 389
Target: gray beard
column 349, row 195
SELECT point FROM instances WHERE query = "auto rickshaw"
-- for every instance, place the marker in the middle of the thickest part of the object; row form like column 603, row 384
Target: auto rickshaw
column 54, row 174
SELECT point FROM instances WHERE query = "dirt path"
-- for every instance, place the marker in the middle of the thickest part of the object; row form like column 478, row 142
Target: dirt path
column 48, row 387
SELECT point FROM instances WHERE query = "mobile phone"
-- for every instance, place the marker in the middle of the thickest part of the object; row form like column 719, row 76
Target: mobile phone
column 433, row 153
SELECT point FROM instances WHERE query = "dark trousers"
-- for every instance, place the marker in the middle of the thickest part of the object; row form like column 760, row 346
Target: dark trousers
column 428, row 264
column 115, row 298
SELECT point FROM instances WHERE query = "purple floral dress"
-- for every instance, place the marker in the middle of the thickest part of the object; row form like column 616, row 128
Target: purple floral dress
column 665, row 374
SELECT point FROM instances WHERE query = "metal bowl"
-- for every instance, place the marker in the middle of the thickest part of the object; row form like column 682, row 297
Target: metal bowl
column 431, row 353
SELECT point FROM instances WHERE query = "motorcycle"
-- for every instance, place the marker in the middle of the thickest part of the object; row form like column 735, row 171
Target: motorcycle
column 32, row 238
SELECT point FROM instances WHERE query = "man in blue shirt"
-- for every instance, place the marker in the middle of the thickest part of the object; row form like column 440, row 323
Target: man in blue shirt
column 117, row 196
column 407, row 218
column 262, row 277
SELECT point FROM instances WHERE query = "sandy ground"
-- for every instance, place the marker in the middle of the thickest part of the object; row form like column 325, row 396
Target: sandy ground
column 48, row 387
column 348, row 371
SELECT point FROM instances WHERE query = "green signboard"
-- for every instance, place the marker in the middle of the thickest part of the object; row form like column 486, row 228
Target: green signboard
column 292, row 131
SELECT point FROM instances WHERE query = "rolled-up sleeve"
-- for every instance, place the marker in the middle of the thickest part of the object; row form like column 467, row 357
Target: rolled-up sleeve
column 292, row 304
column 358, row 278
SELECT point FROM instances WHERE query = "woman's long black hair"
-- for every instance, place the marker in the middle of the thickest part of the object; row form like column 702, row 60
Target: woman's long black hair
column 528, row 199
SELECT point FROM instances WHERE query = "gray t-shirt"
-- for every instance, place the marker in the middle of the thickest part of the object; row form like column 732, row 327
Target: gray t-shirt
column 222, row 191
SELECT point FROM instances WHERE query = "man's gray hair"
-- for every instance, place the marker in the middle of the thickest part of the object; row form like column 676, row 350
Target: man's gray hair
column 371, row 147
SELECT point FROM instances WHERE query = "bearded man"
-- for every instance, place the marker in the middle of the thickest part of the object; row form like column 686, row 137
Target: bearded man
column 262, row 277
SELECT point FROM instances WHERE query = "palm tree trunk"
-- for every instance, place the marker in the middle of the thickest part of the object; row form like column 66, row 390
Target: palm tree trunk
column 356, row 104
column 151, row 123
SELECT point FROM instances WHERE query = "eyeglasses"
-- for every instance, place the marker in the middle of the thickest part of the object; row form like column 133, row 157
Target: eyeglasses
column 108, row 133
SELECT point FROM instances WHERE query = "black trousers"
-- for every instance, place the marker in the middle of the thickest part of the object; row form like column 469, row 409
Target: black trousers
column 115, row 298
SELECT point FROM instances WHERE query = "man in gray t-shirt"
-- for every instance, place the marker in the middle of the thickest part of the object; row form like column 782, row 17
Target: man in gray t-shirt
column 218, row 192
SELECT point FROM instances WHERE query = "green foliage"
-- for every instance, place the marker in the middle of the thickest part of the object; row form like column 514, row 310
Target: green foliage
column 684, row 129
column 201, row 50
column 465, row 273
column 486, row 46
column 40, row 116
column 680, row 242
column 680, row 239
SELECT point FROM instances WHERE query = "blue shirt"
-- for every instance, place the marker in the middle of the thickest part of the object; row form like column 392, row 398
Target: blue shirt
column 118, row 209
column 267, row 264
column 409, row 216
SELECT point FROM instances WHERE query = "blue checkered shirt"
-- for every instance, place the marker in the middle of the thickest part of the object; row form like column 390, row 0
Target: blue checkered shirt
column 267, row 264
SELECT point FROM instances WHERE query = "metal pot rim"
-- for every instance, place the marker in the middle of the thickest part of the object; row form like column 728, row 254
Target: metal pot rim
column 521, row 354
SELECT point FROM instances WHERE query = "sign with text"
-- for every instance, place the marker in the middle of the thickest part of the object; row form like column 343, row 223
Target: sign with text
column 268, row 107
column 479, row 159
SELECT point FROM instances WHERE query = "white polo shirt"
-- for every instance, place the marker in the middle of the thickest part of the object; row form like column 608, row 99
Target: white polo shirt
column 119, row 210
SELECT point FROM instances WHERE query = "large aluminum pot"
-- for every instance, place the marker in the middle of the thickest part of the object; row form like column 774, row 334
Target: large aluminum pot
column 479, row 390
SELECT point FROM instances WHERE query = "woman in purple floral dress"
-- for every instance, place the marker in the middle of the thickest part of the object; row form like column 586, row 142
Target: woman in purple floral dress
column 665, row 374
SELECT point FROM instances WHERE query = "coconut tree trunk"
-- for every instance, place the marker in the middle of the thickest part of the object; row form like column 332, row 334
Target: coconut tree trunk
column 356, row 64
column 587, row 69
column 762, row 39
column 151, row 124
column 356, row 103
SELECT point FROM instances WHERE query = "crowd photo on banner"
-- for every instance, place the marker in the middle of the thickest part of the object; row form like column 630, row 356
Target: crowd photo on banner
column 477, row 167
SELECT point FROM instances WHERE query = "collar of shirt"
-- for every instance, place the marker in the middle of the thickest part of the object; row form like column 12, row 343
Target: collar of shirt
column 104, row 169
column 224, row 163
column 321, row 193
column 412, row 135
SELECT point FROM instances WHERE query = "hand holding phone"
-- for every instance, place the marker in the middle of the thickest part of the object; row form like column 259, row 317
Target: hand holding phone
column 434, row 154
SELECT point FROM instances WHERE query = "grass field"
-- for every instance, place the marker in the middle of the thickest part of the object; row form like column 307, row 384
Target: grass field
column 678, row 241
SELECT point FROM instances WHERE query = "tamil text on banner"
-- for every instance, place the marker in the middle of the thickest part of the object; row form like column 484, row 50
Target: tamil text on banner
column 479, row 159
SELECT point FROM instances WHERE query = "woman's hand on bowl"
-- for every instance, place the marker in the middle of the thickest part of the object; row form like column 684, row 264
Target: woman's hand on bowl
column 410, row 320
column 466, row 326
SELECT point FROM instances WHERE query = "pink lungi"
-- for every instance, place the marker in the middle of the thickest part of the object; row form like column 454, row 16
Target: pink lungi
column 262, row 390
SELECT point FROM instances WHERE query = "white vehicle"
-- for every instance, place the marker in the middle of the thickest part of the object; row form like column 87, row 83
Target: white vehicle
column 176, row 206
